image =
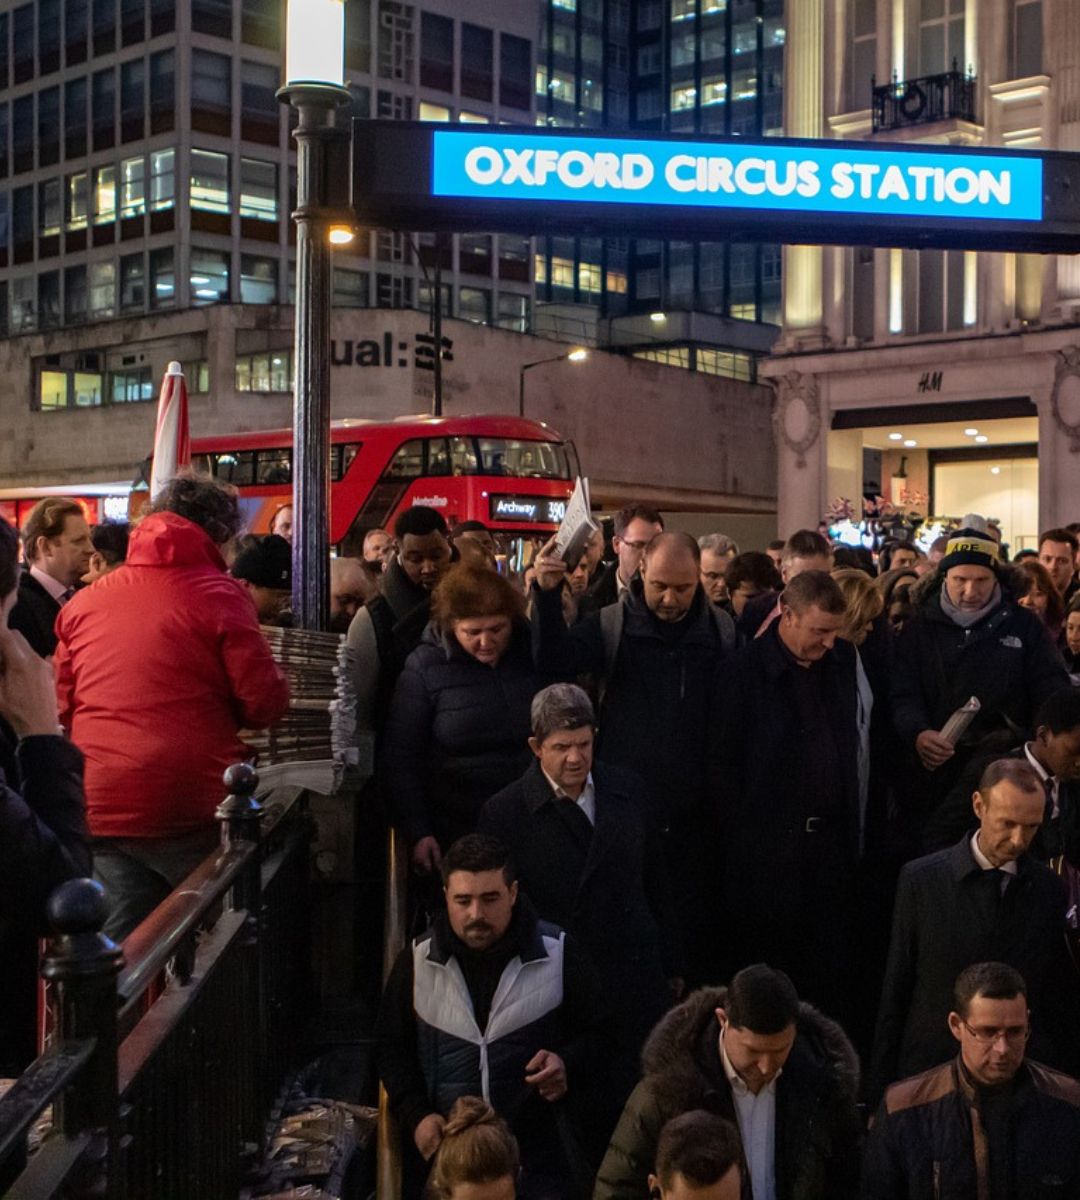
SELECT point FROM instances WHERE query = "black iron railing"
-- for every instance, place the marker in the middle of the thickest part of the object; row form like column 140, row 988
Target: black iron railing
column 163, row 1089
column 904, row 102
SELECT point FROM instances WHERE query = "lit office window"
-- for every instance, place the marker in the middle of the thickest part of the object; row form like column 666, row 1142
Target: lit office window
column 433, row 112
column 103, row 289
column 683, row 10
column 131, row 385
column 104, row 195
column 210, row 181
column 162, row 179
column 133, row 187
column 713, row 90
column 589, row 277
column 258, row 280
column 562, row 86
column 52, row 390
column 683, row 97
column 474, row 304
column 132, row 283
column 258, row 189
column 513, row 312
column 470, row 118
column 209, row 276
column 89, row 390
column 23, row 300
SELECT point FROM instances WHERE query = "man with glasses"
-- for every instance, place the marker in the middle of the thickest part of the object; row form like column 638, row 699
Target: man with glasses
column 635, row 527
column 986, row 895
column 990, row 1123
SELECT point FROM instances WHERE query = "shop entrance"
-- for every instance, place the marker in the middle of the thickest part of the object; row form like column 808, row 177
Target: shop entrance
column 934, row 470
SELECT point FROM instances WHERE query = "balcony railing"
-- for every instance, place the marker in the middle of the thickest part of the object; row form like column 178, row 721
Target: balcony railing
column 906, row 102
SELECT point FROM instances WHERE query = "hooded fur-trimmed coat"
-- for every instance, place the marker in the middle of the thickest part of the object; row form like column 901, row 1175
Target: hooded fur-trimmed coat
column 818, row 1129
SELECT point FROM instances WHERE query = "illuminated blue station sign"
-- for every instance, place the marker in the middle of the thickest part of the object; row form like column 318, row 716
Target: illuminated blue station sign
column 565, row 168
column 425, row 176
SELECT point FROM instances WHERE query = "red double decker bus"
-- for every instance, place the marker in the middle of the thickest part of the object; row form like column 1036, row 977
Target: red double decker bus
column 513, row 474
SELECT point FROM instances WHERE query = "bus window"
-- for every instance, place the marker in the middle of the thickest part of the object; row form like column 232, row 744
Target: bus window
column 342, row 455
column 408, row 463
column 438, row 457
column 273, row 466
column 234, row 466
column 528, row 460
column 462, row 456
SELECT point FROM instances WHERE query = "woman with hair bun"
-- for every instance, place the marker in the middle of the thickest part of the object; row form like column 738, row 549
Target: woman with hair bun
column 477, row 1158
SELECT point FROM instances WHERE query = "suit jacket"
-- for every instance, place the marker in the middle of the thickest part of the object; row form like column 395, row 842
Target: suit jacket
column 34, row 615
column 955, row 816
column 948, row 915
column 611, row 895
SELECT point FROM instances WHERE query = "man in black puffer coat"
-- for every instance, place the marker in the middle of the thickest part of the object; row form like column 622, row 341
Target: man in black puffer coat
column 457, row 733
column 968, row 637
column 708, row 1054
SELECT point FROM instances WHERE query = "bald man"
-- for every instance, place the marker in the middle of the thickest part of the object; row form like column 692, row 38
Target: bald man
column 659, row 653
column 351, row 587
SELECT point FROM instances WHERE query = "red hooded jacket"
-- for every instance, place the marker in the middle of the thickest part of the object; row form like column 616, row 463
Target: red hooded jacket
column 159, row 664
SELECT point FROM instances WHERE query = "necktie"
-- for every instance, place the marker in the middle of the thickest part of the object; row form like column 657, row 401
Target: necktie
column 68, row 593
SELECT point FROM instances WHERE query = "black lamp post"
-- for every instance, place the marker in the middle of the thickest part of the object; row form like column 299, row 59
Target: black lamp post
column 578, row 354
column 314, row 86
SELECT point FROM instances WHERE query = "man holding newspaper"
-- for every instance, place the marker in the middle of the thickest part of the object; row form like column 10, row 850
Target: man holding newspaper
column 970, row 647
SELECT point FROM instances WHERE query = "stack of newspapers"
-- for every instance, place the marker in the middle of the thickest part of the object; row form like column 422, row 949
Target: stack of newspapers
column 316, row 739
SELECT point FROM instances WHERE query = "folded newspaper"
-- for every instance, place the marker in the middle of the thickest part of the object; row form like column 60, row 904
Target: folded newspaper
column 957, row 725
column 577, row 526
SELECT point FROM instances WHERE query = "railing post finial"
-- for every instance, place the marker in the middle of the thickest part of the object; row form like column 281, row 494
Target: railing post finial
column 240, row 813
column 83, row 963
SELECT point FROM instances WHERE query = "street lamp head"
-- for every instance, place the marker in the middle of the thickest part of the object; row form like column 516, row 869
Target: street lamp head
column 578, row 355
column 315, row 43
column 340, row 235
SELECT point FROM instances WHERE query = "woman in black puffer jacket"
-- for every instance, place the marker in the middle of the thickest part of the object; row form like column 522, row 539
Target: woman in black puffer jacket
column 458, row 726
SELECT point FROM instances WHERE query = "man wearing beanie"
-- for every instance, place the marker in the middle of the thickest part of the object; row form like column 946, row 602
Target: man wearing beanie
column 264, row 567
column 968, row 637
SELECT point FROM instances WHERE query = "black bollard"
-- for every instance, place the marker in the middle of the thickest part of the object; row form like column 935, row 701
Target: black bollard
column 83, row 964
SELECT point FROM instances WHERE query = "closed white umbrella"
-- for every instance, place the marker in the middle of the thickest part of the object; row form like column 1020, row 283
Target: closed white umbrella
column 172, row 438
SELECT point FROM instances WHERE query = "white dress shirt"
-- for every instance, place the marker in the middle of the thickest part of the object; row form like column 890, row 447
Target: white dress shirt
column 586, row 801
column 1046, row 778
column 756, row 1115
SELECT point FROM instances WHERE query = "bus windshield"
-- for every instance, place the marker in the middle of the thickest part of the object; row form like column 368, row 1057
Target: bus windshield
column 526, row 460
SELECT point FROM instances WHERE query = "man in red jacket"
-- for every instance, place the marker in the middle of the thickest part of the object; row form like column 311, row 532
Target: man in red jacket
column 159, row 665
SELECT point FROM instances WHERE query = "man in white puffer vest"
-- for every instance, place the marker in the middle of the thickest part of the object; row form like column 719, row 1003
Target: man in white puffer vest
column 492, row 1002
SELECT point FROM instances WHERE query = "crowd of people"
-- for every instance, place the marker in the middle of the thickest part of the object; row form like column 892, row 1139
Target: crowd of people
column 733, row 873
